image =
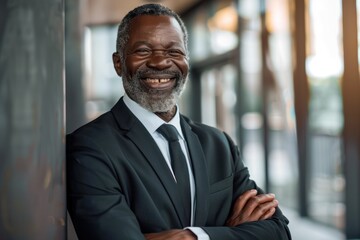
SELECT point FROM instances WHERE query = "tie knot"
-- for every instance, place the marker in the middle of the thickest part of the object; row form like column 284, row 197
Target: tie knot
column 169, row 132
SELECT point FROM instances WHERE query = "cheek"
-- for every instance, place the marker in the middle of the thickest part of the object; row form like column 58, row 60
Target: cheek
column 183, row 65
column 132, row 65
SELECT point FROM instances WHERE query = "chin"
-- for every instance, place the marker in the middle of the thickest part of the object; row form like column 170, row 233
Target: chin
column 154, row 101
column 160, row 105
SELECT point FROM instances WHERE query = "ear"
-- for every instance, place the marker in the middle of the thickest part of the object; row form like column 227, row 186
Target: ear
column 117, row 63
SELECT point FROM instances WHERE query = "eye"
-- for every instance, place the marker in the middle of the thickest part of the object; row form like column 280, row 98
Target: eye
column 175, row 53
column 143, row 52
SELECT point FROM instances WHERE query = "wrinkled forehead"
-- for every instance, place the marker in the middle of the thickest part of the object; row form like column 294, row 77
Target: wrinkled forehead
column 155, row 23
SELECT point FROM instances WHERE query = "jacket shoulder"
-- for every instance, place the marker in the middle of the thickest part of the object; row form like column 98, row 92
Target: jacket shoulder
column 209, row 135
column 203, row 129
column 101, row 127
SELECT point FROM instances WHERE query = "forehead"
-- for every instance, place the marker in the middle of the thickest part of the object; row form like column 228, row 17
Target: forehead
column 149, row 26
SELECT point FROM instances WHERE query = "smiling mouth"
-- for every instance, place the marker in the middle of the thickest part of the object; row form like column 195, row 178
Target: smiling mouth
column 158, row 80
column 162, row 84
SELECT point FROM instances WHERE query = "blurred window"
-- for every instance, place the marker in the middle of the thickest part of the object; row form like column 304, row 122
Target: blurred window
column 218, row 98
column 250, row 90
column 324, row 68
column 283, row 167
column 212, row 29
column 103, row 87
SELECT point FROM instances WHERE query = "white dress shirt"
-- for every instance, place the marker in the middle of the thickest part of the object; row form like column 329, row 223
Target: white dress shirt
column 152, row 122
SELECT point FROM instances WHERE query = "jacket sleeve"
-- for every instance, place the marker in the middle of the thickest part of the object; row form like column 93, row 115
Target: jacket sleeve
column 274, row 228
column 96, row 204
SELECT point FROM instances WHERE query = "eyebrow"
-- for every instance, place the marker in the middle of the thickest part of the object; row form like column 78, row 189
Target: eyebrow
column 170, row 44
column 141, row 43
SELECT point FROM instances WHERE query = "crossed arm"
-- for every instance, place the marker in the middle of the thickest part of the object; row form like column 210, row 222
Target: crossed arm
column 248, row 207
column 100, row 212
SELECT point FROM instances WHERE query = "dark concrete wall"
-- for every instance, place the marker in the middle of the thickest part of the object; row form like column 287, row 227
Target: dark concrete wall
column 75, row 106
column 32, row 162
column 75, row 100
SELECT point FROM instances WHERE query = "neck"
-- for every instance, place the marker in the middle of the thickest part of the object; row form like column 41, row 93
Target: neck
column 167, row 116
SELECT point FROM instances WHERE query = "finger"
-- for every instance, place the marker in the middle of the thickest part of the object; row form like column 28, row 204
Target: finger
column 255, row 207
column 262, row 212
column 260, row 204
column 241, row 202
column 262, row 198
column 268, row 214
column 248, row 201
column 263, row 209
column 257, row 200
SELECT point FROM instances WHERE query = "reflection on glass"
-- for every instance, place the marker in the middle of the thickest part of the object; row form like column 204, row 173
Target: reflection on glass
column 324, row 67
column 198, row 35
column 218, row 98
column 223, row 28
column 102, row 86
column 208, row 97
column 283, row 167
column 250, row 89
column 212, row 29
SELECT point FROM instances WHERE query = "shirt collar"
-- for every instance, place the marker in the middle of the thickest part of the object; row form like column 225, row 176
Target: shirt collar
column 149, row 119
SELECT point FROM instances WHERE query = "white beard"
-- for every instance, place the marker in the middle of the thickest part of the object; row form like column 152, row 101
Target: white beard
column 152, row 99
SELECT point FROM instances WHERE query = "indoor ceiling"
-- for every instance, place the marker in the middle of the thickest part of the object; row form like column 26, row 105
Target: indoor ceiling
column 112, row 11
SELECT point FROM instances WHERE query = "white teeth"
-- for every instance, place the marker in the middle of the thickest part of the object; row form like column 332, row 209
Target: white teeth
column 158, row 80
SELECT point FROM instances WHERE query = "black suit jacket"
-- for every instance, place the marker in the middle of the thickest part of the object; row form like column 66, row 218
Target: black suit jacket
column 119, row 186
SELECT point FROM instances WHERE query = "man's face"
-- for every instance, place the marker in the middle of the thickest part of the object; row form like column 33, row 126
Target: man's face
column 156, row 66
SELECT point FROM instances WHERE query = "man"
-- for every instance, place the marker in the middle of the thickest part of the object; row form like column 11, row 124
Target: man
column 122, row 183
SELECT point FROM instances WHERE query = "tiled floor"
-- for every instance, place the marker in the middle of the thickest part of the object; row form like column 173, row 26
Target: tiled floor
column 304, row 229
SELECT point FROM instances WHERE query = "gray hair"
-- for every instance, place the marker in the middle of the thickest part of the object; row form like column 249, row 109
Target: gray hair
column 147, row 9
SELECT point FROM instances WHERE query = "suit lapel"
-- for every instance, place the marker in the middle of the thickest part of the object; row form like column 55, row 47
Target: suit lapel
column 200, row 173
column 146, row 144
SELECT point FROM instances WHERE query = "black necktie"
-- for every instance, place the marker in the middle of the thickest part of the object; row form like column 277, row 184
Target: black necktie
column 179, row 166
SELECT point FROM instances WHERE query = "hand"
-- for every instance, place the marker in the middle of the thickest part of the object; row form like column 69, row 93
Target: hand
column 250, row 207
column 176, row 234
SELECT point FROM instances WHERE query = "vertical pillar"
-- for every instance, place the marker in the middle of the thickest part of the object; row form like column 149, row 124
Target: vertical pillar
column 75, row 100
column 268, row 85
column 75, row 109
column 351, row 133
column 301, row 99
column 32, row 165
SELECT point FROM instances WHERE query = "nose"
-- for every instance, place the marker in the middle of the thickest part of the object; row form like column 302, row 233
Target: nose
column 158, row 60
